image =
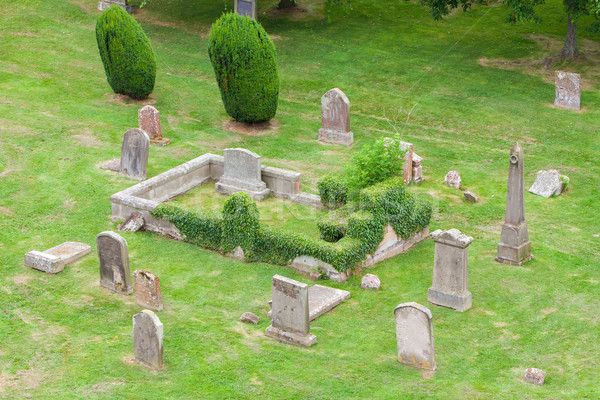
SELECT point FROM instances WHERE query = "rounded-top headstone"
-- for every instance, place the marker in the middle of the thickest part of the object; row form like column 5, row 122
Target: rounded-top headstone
column 148, row 339
column 414, row 335
column 134, row 154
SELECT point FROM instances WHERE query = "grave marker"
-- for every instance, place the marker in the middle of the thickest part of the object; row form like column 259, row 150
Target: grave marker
column 567, row 90
column 103, row 5
column 335, row 118
column 414, row 335
column 148, row 339
column 114, row 262
column 242, row 173
column 245, row 7
column 134, row 154
column 147, row 290
column 149, row 122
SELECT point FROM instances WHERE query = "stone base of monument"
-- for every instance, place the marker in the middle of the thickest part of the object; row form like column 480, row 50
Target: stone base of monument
column 336, row 137
column 514, row 255
column 295, row 338
column 103, row 5
column 257, row 193
column 459, row 302
column 116, row 288
column 53, row 260
column 160, row 142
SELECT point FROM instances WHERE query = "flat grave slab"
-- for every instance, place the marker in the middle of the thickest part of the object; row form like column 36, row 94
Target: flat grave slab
column 322, row 299
column 54, row 260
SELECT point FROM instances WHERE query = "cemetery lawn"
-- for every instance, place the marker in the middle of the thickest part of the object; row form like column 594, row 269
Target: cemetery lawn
column 472, row 95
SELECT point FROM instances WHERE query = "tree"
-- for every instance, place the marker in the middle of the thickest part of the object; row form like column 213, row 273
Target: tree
column 524, row 11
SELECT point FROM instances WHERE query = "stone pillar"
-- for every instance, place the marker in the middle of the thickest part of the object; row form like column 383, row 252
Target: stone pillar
column 450, row 275
column 514, row 247
column 414, row 335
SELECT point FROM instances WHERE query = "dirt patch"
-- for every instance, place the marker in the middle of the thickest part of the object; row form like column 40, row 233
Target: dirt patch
column 253, row 128
column 500, row 324
column 21, row 279
column 122, row 99
column 24, row 379
column 549, row 310
column 88, row 141
column 6, row 211
column 314, row 10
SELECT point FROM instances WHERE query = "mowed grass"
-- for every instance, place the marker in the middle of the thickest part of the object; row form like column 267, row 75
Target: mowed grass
column 64, row 337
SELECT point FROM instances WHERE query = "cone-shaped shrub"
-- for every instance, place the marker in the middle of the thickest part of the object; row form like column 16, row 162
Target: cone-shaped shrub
column 243, row 57
column 126, row 52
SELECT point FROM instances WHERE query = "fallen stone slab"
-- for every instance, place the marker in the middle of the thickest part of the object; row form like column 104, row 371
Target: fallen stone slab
column 134, row 223
column 548, row 183
column 470, row 197
column 54, row 260
column 250, row 318
column 113, row 165
column 322, row 299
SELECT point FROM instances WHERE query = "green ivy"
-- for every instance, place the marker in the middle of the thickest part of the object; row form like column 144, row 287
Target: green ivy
column 333, row 191
column 240, row 223
column 334, row 224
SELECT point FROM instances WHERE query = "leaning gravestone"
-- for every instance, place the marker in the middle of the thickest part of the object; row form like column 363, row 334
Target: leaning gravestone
column 54, row 260
column 568, row 92
column 246, row 8
column 335, row 118
column 450, row 273
column 149, row 122
column 514, row 247
column 147, row 290
column 134, row 154
column 242, row 173
column 291, row 323
column 114, row 262
column 148, row 339
column 548, row 183
column 414, row 335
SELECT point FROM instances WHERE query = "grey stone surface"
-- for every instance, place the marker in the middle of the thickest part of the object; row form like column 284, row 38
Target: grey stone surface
column 308, row 199
column 514, row 247
column 450, row 270
column 134, row 223
column 322, row 299
column 548, row 183
column 470, row 197
column 55, row 259
column 370, row 281
column 147, row 290
column 453, row 179
column 567, row 90
column 148, row 339
column 535, row 376
column 417, row 172
column 414, row 335
column 149, row 122
column 134, row 154
column 103, row 5
column 113, row 165
column 335, row 118
column 242, row 173
column 114, row 262
column 245, row 7
column 290, row 313
column 249, row 317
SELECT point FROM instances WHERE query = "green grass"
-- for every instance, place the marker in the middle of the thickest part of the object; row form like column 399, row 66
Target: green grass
column 64, row 337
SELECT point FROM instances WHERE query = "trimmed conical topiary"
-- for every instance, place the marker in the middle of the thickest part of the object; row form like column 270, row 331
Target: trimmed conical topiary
column 243, row 57
column 126, row 52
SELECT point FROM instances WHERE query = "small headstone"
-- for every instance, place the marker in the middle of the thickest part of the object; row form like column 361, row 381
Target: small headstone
column 149, row 122
column 290, row 313
column 535, row 376
column 548, row 183
column 453, row 179
column 134, row 154
column 148, row 339
column 370, row 281
column 134, row 223
column 54, row 260
column 250, row 318
column 113, row 165
column 414, row 335
column 417, row 173
column 450, row 273
column 568, row 92
column 245, row 7
column 103, row 5
column 242, row 173
column 114, row 262
column 335, row 118
column 147, row 290
column 407, row 167
column 470, row 197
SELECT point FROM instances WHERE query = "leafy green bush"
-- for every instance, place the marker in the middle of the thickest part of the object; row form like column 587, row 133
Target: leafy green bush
column 240, row 223
column 243, row 57
column 333, row 225
column 199, row 227
column 126, row 53
column 333, row 191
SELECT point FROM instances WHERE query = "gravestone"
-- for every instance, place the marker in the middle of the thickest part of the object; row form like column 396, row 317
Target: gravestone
column 414, row 335
column 245, row 7
column 103, row 5
column 548, row 183
column 54, row 260
column 147, row 290
column 134, row 154
column 290, row 313
column 148, row 339
column 450, row 273
column 514, row 247
column 417, row 173
column 535, row 376
column 242, row 173
column 114, row 262
column 568, row 92
column 335, row 118
column 407, row 166
column 453, row 179
column 149, row 122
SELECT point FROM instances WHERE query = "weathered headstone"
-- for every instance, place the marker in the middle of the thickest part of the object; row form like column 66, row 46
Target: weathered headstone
column 134, row 223
column 149, row 122
column 147, row 290
column 470, row 197
column 453, row 179
column 335, row 118
column 245, row 7
column 417, row 168
column 114, row 262
column 407, row 166
column 450, row 273
column 134, row 154
column 414, row 335
column 54, row 260
column 103, row 5
column 568, row 92
column 514, row 247
column 242, row 173
column 290, row 313
column 548, row 183
column 535, row 376
column 250, row 318
column 148, row 339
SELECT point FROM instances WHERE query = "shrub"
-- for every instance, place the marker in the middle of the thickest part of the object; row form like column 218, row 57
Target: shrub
column 333, row 191
column 126, row 53
column 243, row 57
column 333, row 225
column 240, row 223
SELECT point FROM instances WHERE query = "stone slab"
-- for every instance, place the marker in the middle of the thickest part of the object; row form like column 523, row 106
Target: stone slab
column 567, row 90
column 55, row 259
column 322, row 299
column 547, row 184
column 414, row 335
column 112, row 165
column 134, row 223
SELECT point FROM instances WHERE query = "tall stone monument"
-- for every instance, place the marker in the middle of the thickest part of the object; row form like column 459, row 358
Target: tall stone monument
column 335, row 118
column 114, row 262
column 514, row 247
column 148, row 339
column 242, row 173
column 134, row 154
column 414, row 335
column 290, row 313
column 450, row 275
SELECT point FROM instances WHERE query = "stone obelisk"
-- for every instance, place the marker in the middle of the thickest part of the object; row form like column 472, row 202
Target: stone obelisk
column 514, row 247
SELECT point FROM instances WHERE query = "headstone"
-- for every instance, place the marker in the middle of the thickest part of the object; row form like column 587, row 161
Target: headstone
column 470, row 197
column 147, row 290
column 54, row 260
column 148, row 339
column 407, row 166
column 453, row 179
column 114, row 262
column 417, row 168
column 290, row 313
column 567, row 89
column 535, row 376
column 335, row 118
column 548, row 183
column 245, row 7
column 370, row 281
column 514, row 247
column 450, row 273
column 113, row 165
column 149, row 122
column 134, row 154
column 134, row 223
column 103, row 5
column 414, row 335
column 249, row 317
column 242, row 173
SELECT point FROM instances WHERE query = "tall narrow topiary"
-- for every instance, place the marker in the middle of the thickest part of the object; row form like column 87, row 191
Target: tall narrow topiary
column 243, row 57
column 126, row 53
